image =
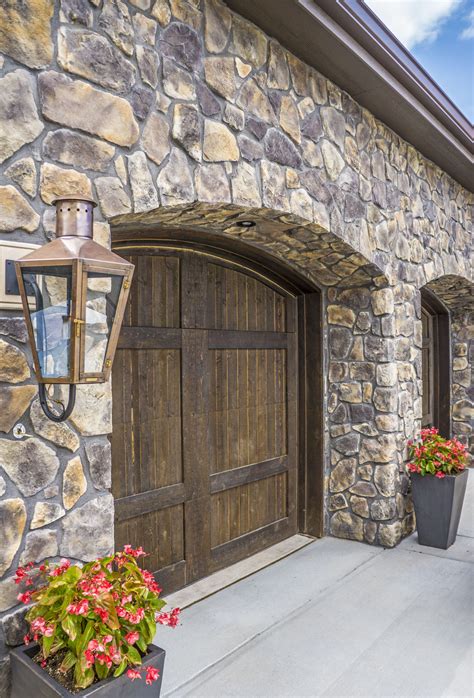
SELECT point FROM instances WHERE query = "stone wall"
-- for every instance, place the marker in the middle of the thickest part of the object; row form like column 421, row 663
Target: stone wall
column 171, row 112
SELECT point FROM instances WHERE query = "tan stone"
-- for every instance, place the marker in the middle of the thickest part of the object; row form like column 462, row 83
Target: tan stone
column 253, row 100
column 243, row 69
column 245, row 189
column 92, row 414
column 155, row 138
column 16, row 212
column 88, row 529
column 301, row 204
column 386, row 479
column 289, row 118
column 340, row 315
column 359, row 506
column 212, row 184
column 382, row 301
column 387, row 374
column 12, row 525
column 145, row 29
column 175, row 180
column 219, row 73
column 23, row 173
column 25, row 31
column 274, row 193
column 14, row 402
column 312, row 153
column 177, row 83
column 30, row 464
column 57, row 181
column 299, row 73
column 186, row 13
column 217, row 24
column 74, row 482
column 113, row 199
column 78, row 105
column 343, row 475
column 3, row 486
column 187, row 129
column 351, row 392
column 45, row 513
column 249, row 42
column 219, row 143
column 148, row 64
column 58, row 433
column 390, row 534
column 278, row 77
column 121, row 169
column 8, row 594
column 161, row 11
column 333, row 161
column 13, row 364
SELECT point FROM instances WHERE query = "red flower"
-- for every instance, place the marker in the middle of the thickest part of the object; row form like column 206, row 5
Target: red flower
column 24, row 598
column 89, row 657
column 170, row 619
column 26, row 639
column 102, row 613
column 78, row 609
column 132, row 637
column 137, row 552
column 440, row 475
column 62, row 567
column 133, row 674
column 151, row 675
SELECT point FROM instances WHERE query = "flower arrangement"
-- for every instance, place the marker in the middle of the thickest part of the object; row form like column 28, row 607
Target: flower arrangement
column 434, row 455
column 94, row 621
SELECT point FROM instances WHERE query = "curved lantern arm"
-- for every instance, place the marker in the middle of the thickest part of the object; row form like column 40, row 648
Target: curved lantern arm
column 66, row 411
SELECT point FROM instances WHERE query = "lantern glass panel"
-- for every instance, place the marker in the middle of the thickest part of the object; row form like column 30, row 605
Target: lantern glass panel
column 102, row 296
column 49, row 303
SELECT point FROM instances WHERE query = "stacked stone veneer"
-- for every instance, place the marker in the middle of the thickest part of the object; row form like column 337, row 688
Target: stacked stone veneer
column 175, row 113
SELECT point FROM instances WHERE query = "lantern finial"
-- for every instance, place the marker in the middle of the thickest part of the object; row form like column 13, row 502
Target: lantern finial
column 74, row 216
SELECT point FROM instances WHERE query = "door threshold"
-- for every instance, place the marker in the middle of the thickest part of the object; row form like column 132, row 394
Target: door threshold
column 234, row 573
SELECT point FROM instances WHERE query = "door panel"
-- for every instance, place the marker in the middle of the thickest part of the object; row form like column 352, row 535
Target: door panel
column 204, row 444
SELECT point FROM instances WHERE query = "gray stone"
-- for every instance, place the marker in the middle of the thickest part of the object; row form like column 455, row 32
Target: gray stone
column 16, row 212
column 219, row 72
column 145, row 197
column 187, row 129
column 3, row 486
column 74, row 482
column 248, row 42
column 274, row 194
column 58, row 433
column 212, row 184
column 380, row 450
column 14, row 627
column 88, row 530
column 175, row 180
column 14, row 401
column 311, row 126
column 76, row 12
column 113, row 199
column 12, row 525
column 23, row 173
column 333, row 160
column 155, row 138
column 208, row 104
column 245, row 188
column 234, row 116
column 115, row 21
column 340, row 342
column 278, row 76
column 76, row 149
column 337, row 501
column 8, row 595
column 148, row 64
column 280, row 149
column 249, row 149
column 363, row 489
column 142, row 100
column 316, row 184
column 378, row 349
column 390, row 534
column 78, row 105
column 359, row 506
column 386, row 479
column 30, row 464
column 39, row 545
column 383, row 509
column 354, row 208
column 177, row 83
column 386, row 399
column 181, row 43
column 348, row 444
column 91, row 56
column 253, row 100
column 346, row 525
column 14, row 327
column 145, row 29
column 257, row 127
column 99, row 456
column 92, row 414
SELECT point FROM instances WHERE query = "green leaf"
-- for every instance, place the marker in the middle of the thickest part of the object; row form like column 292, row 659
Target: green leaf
column 87, row 635
column 121, row 668
column 134, row 655
column 68, row 662
column 46, row 645
column 142, row 644
column 70, row 627
column 101, row 670
column 82, row 677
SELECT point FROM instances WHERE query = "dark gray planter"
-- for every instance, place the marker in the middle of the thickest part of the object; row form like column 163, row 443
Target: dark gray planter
column 438, row 504
column 29, row 679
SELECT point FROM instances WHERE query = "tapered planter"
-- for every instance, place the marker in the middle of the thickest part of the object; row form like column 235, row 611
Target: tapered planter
column 29, row 679
column 438, row 504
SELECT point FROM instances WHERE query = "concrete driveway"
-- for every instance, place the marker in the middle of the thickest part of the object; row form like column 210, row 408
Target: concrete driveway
column 336, row 618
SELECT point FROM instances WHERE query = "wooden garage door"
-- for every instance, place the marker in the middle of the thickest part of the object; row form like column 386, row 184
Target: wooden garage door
column 204, row 408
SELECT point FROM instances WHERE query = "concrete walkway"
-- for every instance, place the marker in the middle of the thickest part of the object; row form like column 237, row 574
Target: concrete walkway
column 336, row 618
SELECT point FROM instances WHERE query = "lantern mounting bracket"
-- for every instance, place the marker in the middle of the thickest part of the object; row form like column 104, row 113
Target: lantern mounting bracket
column 66, row 411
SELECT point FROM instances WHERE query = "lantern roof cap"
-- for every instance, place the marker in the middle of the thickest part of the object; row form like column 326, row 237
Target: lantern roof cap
column 70, row 248
column 86, row 199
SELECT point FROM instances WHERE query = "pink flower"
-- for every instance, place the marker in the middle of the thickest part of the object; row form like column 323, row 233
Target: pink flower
column 151, row 675
column 26, row 639
column 24, row 598
column 43, row 663
column 104, row 659
column 133, row 674
column 137, row 552
column 170, row 619
column 89, row 657
column 440, row 475
column 38, row 625
column 132, row 637
column 62, row 567
column 78, row 609
column 102, row 613
column 48, row 631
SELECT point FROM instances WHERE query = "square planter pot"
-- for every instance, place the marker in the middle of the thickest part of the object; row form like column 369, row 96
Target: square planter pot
column 29, row 679
column 438, row 504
